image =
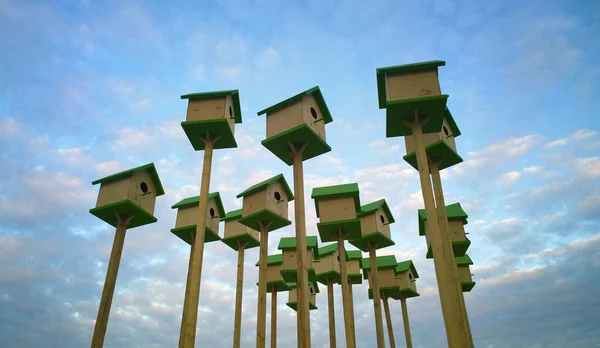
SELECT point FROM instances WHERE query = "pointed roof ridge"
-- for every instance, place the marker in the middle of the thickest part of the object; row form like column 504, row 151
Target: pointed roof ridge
column 129, row 172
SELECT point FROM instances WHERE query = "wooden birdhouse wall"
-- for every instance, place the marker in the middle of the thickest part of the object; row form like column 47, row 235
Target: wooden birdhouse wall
column 113, row 191
column 234, row 228
column 273, row 273
column 337, row 209
column 431, row 138
column 387, row 277
column 212, row 216
column 457, row 231
column 189, row 216
column 294, row 115
column 353, row 266
column 293, row 298
column 383, row 223
column 277, row 199
column 291, row 262
column 406, row 280
column 138, row 188
column 327, row 263
column 371, row 223
column 413, row 84
column 211, row 109
column 313, row 293
column 464, row 274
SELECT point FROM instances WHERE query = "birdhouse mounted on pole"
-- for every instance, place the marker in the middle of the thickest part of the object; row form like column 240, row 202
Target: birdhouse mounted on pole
column 327, row 268
column 406, row 280
column 275, row 281
column 313, row 289
column 131, row 192
column 464, row 273
column 214, row 113
column 375, row 220
column 298, row 120
column 457, row 218
column 353, row 265
column 386, row 272
column 289, row 269
column 337, row 208
column 187, row 218
column 236, row 233
column 403, row 88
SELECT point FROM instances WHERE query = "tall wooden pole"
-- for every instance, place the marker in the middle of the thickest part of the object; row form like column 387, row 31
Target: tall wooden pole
column 187, row 293
column 446, row 240
column 274, row 318
column 239, row 287
column 374, row 284
column 331, row 310
column 110, row 282
column 455, row 331
column 261, row 319
column 351, row 296
column 406, row 323
column 388, row 321
column 348, row 322
column 303, row 318
column 191, row 310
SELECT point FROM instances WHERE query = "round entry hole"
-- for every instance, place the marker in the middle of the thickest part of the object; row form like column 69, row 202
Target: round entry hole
column 445, row 130
column 313, row 112
column 230, row 112
column 277, row 195
column 211, row 212
column 382, row 219
column 410, row 276
column 144, row 187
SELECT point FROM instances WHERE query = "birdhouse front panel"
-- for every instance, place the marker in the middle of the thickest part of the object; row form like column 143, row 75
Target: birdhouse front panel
column 113, row 191
column 277, row 199
column 234, row 228
column 290, row 260
column 283, row 119
column 406, row 280
column 327, row 263
column 312, row 115
column 274, row 273
column 293, row 298
column 189, row 216
column 254, row 202
column 387, row 277
column 353, row 266
column 457, row 231
column 211, row 109
column 383, row 223
column 337, row 209
column 445, row 134
column 213, row 218
column 464, row 274
column 368, row 224
column 412, row 84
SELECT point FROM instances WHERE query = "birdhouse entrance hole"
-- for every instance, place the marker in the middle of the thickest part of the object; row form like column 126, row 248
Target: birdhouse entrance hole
column 313, row 112
column 382, row 219
column 338, row 258
column 211, row 212
column 311, row 290
column 230, row 112
column 410, row 276
column 445, row 130
column 144, row 187
column 277, row 196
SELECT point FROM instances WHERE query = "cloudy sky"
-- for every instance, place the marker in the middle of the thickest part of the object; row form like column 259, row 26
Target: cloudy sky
column 88, row 88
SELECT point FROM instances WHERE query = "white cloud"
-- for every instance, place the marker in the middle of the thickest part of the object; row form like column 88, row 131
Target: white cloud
column 508, row 178
column 258, row 175
column 581, row 134
column 109, row 167
column 587, row 167
column 382, row 148
column 10, row 127
column 268, row 58
column 128, row 138
column 533, row 169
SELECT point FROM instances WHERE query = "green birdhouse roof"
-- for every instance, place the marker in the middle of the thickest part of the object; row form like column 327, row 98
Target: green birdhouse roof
column 404, row 266
column 195, row 201
column 127, row 173
column 464, row 260
column 263, row 185
column 235, row 98
column 273, row 260
column 232, row 215
column 454, row 212
column 373, row 207
column 383, row 262
column 328, row 249
column 287, row 243
column 315, row 91
column 344, row 190
column 382, row 72
column 452, row 123
column 354, row 254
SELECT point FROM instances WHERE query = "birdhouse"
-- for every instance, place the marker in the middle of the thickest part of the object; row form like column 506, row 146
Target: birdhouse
column 406, row 279
column 187, row 218
column 440, row 146
column 214, row 113
column 457, row 218
column 353, row 258
column 386, row 270
column 129, row 193
column 375, row 219
column 267, row 202
column 464, row 273
column 274, row 280
column 313, row 289
column 337, row 208
column 402, row 89
column 328, row 266
column 289, row 269
column 236, row 233
column 298, row 120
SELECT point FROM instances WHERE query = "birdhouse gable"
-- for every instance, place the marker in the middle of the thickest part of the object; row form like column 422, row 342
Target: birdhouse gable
column 267, row 201
column 376, row 217
column 187, row 212
column 448, row 132
column 236, row 232
column 383, row 263
column 406, row 275
column 313, row 290
column 408, row 81
column 214, row 105
column 328, row 260
column 453, row 211
column 336, row 203
column 290, row 259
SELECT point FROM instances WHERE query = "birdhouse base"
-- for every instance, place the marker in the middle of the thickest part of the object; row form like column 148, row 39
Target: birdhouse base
column 299, row 135
column 328, row 231
column 195, row 130
column 467, row 286
column 459, row 247
column 431, row 108
column 278, row 285
column 291, row 275
column 355, row 278
column 124, row 208
column 247, row 238
column 294, row 306
column 324, row 278
column 439, row 150
column 265, row 216
column 395, row 292
column 184, row 233
column 380, row 238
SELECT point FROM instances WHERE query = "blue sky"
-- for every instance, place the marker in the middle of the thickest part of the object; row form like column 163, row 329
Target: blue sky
column 88, row 88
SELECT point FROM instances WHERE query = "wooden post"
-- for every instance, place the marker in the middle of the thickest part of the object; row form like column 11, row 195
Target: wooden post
column 388, row 321
column 110, row 282
column 351, row 296
column 274, row 318
column 331, row 310
column 261, row 319
column 449, row 298
column 374, row 284
column 239, row 287
column 187, row 293
column 406, row 323
column 191, row 310
column 303, row 316
column 447, row 242
column 348, row 322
